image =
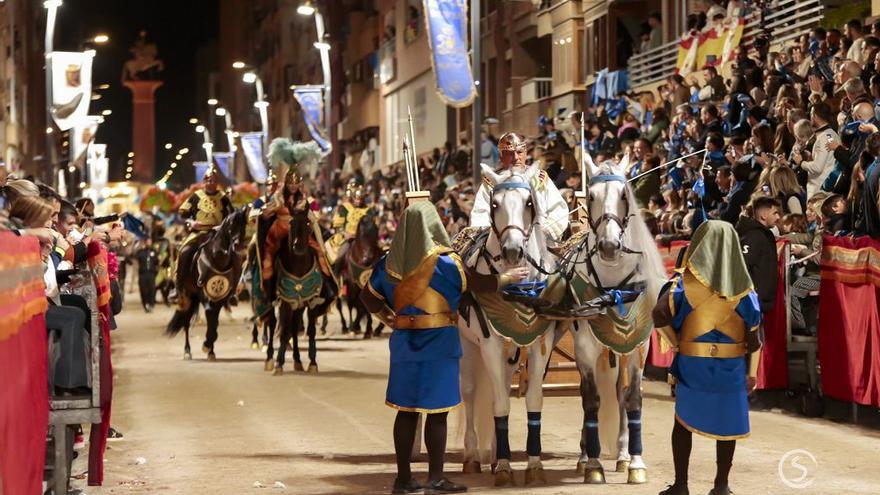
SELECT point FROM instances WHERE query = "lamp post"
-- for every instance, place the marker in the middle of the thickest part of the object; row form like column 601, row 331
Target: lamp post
column 307, row 9
column 478, row 104
column 52, row 11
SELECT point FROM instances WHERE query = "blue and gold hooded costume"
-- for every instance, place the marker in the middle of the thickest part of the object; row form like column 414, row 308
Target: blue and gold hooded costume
column 710, row 314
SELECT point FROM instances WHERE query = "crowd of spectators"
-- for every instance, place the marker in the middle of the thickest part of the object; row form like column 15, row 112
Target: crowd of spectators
column 71, row 240
column 797, row 124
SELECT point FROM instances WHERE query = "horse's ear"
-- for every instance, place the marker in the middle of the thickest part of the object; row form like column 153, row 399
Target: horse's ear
column 531, row 171
column 490, row 174
column 621, row 167
column 592, row 169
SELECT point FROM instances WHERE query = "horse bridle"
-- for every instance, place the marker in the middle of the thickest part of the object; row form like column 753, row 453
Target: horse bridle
column 622, row 223
column 508, row 186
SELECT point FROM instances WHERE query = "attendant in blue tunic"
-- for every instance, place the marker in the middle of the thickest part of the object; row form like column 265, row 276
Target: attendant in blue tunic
column 416, row 290
column 710, row 312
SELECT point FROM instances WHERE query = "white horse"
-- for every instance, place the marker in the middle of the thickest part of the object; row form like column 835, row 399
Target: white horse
column 515, row 240
column 618, row 253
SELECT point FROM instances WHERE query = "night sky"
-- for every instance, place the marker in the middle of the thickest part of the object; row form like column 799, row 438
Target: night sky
column 178, row 28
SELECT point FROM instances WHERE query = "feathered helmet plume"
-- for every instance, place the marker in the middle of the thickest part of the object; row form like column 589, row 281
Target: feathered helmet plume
column 284, row 153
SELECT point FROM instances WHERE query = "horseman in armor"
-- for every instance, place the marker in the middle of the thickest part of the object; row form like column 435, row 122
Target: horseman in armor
column 204, row 210
column 512, row 148
column 263, row 212
column 345, row 220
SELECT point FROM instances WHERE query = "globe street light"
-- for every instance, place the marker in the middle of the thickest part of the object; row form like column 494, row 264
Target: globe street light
column 306, row 9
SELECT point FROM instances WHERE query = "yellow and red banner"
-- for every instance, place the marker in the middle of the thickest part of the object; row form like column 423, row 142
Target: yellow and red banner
column 712, row 47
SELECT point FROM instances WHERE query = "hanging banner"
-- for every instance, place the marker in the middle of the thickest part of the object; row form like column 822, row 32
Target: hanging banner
column 252, row 147
column 311, row 99
column 71, row 86
column 82, row 135
column 98, row 165
column 224, row 161
column 446, row 22
column 201, row 168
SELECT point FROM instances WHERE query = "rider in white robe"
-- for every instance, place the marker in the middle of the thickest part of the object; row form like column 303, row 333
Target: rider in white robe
column 554, row 222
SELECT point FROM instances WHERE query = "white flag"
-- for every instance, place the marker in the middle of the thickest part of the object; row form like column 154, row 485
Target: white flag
column 99, row 166
column 252, row 147
column 71, row 87
column 82, row 135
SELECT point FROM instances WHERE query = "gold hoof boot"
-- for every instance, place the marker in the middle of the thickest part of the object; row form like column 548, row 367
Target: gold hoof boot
column 594, row 476
column 298, row 367
column 254, row 346
column 581, row 467
column 212, row 356
column 471, row 467
column 637, row 476
column 622, row 466
column 264, row 348
column 313, row 368
column 268, row 365
column 504, row 478
column 278, row 371
column 535, row 476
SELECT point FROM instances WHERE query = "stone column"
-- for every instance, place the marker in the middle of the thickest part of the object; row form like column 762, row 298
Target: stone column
column 143, row 128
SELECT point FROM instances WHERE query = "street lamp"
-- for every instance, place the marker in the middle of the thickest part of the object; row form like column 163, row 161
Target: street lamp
column 306, row 9
column 101, row 39
column 238, row 65
column 212, row 102
column 249, row 77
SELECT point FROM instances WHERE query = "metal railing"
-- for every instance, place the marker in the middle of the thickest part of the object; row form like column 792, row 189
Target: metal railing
column 535, row 89
column 788, row 20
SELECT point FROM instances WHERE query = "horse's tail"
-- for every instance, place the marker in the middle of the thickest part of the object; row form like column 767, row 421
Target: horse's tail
column 181, row 319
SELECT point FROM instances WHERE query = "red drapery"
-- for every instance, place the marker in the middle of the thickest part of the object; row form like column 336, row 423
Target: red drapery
column 849, row 319
column 24, row 399
column 773, row 369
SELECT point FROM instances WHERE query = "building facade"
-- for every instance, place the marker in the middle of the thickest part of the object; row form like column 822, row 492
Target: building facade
column 22, row 87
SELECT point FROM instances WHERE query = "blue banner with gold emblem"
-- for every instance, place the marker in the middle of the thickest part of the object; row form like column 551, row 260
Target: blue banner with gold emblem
column 311, row 99
column 446, row 21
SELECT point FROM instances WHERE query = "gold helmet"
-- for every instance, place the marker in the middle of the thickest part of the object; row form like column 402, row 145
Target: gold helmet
column 293, row 177
column 271, row 179
column 511, row 142
column 210, row 172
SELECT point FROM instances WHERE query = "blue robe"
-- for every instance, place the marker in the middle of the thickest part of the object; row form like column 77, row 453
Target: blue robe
column 711, row 396
column 424, row 372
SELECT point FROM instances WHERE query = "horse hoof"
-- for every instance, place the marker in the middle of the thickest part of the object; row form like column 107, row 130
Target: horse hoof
column 206, row 349
column 298, row 367
column 254, row 346
column 268, row 365
column 504, row 477
column 594, row 476
column 471, row 467
column 535, row 476
column 264, row 348
column 278, row 371
column 313, row 368
column 622, row 466
column 187, row 356
column 637, row 476
column 212, row 356
column 581, row 467
column 368, row 335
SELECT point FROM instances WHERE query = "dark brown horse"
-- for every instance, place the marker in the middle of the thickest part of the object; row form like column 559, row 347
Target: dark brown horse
column 356, row 266
column 211, row 281
column 300, row 286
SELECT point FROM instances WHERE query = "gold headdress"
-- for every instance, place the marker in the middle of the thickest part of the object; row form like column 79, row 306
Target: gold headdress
column 511, row 142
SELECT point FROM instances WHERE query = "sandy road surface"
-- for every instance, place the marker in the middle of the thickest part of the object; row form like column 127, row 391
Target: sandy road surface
column 217, row 428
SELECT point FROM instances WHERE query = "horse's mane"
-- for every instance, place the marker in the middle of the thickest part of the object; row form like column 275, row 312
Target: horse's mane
column 650, row 265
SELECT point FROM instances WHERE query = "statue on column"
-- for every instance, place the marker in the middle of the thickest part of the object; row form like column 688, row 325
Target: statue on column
column 144, row 64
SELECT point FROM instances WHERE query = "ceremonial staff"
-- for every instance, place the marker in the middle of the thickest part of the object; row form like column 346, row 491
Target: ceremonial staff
column 410, row 160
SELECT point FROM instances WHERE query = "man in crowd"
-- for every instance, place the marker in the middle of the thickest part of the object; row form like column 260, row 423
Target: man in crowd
column 759, row 247
column 148, row 268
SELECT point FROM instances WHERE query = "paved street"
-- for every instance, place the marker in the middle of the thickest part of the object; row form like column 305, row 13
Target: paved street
column 222, row 427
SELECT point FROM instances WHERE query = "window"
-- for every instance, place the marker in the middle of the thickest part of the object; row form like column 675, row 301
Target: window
column 413, row 21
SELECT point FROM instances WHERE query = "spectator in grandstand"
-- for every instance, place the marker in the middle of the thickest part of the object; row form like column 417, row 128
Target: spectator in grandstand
column 759, row 247
column 854, row 34
column 820, row 161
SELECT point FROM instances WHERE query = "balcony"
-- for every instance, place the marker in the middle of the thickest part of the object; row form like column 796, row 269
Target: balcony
column 789, row 20
column 535, row 89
